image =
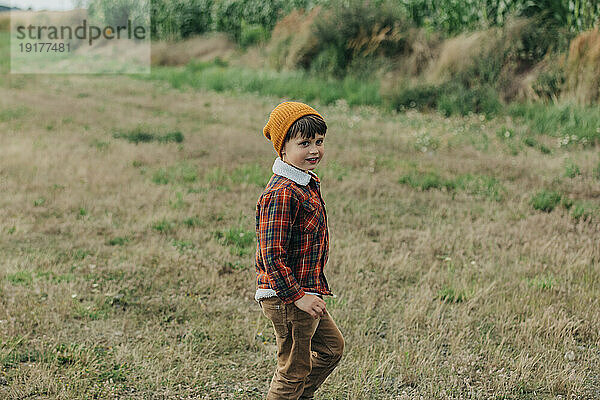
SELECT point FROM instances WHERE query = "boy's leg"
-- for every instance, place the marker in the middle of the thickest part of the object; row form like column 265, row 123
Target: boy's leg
column 294, row 330
column 327, row 347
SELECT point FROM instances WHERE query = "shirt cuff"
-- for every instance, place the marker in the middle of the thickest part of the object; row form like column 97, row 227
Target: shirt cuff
column 295, row 296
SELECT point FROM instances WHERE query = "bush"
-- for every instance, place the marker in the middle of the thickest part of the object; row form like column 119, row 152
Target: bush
column 252, row 34
column 456, row 99
column 419, row 97
column 583, row 68
column 231, row 15
column 176, row 19
column 353, row 29
column 118, row 12
column 293, row 43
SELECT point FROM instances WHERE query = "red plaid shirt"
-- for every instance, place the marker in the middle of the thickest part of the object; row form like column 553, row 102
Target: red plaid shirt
column 292, row 237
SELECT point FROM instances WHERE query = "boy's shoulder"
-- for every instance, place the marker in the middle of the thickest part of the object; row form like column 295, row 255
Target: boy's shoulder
column 280, row 185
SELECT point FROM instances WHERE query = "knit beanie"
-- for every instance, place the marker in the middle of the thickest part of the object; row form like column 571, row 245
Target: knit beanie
column 281, row 118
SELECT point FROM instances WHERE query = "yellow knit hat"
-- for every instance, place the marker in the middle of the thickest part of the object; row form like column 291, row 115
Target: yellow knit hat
column 282, row 117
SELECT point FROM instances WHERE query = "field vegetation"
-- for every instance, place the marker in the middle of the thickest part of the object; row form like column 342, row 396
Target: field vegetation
column 464, row 223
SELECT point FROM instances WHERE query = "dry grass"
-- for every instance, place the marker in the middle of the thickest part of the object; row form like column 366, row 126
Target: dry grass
column 202, row 48
column 116, row 285
column 55, row 18
column 459, row 54
column 583, row 68
column 4, row 22
column 293, row 42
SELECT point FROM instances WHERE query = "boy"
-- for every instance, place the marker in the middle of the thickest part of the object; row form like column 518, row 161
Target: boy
column 292, row 249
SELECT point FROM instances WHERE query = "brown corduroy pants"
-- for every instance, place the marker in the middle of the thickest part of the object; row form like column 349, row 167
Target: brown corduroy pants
column 308, row 350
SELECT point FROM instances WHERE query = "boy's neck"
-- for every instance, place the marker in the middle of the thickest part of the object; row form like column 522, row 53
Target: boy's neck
column 299, row 169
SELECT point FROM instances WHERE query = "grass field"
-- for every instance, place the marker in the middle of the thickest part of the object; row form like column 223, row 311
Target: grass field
column 464, row 252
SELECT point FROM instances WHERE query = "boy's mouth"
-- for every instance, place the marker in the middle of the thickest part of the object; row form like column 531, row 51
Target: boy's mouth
column 312, row 160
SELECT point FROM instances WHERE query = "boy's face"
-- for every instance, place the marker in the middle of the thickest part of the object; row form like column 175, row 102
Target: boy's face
column 303, row 153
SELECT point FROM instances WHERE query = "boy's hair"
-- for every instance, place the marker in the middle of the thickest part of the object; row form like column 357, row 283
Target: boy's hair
column 308, row 126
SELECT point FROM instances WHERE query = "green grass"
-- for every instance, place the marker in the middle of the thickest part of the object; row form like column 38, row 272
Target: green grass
column 584, row 210
column 542, row 282
column 450, row 98
column 253, row 174
column 572, row 125
column 20, row 278
column 181, row 173
column 448, row 294
column 163, row 226
column 142, row 134
column 478, row 185
column 571, row 169
column 219, row 77
column 545, row 200
column 118, row 241
column 239, row 240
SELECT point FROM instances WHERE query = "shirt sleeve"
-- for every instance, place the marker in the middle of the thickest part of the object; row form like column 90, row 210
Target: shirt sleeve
column 278, row 210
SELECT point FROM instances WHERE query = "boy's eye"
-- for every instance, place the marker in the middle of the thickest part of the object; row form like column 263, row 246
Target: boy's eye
column 304, row 143
column 319, row 142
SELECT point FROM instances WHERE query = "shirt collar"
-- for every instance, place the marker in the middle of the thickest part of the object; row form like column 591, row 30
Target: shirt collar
column 282, row 168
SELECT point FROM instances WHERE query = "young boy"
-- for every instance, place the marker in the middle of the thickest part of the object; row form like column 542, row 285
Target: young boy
column 292, row 250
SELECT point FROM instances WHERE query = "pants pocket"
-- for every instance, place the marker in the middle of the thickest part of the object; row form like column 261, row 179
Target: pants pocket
column 275, row 311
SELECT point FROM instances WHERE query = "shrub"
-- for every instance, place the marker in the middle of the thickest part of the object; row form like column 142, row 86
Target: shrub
column 419, row 97
column 545, row 200
column 583, row 68
column 176, row 19
column 353, row 29
column 252, row 33
column 118, row 12
column 456, row 99
column 230, row 15
column 293, row 43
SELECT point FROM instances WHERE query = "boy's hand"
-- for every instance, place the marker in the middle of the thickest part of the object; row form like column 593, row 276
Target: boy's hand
column 314, row 305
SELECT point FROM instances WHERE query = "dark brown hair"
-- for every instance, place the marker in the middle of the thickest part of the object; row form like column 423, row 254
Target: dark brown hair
column 308, row 126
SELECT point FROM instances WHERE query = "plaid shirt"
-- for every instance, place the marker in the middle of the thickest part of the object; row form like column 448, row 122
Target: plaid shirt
column 292, row 236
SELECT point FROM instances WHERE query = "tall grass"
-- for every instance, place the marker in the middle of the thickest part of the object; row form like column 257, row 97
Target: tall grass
column 569, row 123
